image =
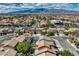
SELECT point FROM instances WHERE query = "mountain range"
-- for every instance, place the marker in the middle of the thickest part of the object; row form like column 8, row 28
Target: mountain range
column 46, row 8
column 44, row 11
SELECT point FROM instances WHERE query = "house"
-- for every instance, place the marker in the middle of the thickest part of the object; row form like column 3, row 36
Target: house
column 7, row 48
column 11, row 43
column 7, row 51
column 34, row 31
column 45, row 48
column 43, row 22
column 21, row 38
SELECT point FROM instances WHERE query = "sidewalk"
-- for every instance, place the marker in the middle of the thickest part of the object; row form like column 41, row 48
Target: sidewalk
column 73, row 45
column 60, row 48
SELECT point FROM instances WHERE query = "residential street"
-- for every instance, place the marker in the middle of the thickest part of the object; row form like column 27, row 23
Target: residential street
column 5, row 37
column 66, row 46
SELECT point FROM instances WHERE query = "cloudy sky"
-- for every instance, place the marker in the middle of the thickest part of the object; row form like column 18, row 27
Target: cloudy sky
column 18, row 7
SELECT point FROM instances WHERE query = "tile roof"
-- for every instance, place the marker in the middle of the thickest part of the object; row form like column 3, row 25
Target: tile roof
column 5, row 51
column 45, row 47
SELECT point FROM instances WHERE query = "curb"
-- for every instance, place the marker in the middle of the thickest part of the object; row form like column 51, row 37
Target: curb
column 72, row 45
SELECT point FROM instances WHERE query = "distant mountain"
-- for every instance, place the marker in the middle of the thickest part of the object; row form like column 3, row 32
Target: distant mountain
column 46, row 8
column 45, row 11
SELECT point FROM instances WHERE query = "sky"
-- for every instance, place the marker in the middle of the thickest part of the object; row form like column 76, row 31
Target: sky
column 17, row 7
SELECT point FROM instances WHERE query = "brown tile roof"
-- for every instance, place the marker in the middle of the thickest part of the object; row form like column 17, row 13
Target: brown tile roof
column 44, row 42
column 20, row 38
column 45, row 50
column 5, row 51
column 11, row 43
column 10, row 52
column 4, row 42
column 45, row 47
column 47, row 54
column 14, row 41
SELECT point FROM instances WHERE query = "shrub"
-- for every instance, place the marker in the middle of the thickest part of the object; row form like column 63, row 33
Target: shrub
column 50, row 24
column 77, row 44
column 66, row 53
column 50, row 33
column 18, row 32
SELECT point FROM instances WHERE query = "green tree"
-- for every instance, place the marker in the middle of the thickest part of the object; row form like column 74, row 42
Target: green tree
column 50, row 24
column 66, row 53
column 24, row 48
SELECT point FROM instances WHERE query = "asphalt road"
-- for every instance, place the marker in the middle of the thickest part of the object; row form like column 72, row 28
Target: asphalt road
column 65, row 45
column 5, row 37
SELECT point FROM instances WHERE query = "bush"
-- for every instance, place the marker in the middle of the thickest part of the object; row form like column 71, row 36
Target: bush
column 18, row 32
column 50, row 33
column 50, row 24
column 66, row 33
column 24, row 48
column 72, row 40
column 77, row 44
column 66, row 53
